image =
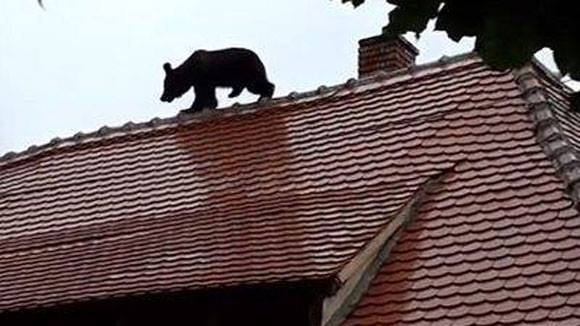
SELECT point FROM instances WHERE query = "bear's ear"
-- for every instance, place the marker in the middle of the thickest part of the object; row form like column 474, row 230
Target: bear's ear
column 167, row 67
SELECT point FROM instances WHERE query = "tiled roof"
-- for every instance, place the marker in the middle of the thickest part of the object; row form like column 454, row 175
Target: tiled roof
column 286, row 191
column 499, row 241
column 293, row 189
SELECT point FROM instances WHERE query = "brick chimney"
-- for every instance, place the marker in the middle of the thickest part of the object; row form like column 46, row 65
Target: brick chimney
column 384, row 53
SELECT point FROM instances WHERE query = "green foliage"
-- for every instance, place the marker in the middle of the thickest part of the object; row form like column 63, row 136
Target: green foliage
column 507, row 32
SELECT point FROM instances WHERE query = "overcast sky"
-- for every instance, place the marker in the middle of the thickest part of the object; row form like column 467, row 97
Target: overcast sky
column 82, row 64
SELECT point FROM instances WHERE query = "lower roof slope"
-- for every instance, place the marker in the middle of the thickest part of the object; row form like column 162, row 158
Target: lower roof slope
column 496, row 244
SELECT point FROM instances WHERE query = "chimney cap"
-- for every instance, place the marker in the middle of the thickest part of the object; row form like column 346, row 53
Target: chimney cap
column 385, row 52
column 387, row 38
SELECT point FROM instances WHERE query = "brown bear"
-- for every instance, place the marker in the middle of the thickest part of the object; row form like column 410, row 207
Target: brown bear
column 237, row 68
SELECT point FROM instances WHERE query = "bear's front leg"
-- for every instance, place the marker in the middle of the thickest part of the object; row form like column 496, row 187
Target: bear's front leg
column 212, row 101
column 204, row 98
column 195, row 107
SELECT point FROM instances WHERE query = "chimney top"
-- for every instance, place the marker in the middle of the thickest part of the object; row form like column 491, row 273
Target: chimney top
column 385, row 53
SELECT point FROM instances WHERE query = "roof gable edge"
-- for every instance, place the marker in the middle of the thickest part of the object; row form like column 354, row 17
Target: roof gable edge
column 357, row 275
column 549, row 133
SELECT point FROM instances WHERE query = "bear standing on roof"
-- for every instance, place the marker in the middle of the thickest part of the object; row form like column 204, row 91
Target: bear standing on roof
column 205, row 70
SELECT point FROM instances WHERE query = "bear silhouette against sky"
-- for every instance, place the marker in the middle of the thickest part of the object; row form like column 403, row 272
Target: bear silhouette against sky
column 205, row 70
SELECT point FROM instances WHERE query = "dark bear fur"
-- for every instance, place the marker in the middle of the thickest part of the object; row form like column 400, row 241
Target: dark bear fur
column 205, row 70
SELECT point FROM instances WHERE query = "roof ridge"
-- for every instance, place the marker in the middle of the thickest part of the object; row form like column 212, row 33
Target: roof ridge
column 549, row 133
column 378, row 79
column 550, row 74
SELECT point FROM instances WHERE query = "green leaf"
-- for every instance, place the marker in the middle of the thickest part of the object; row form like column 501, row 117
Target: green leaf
column 460, row 18
column 355, row 3
column 411, row 15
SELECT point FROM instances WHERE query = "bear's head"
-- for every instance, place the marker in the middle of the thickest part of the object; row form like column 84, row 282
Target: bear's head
column 174, row 85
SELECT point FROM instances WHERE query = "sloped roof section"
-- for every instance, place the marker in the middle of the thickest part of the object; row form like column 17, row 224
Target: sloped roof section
column 497, row 242
column 288, row 190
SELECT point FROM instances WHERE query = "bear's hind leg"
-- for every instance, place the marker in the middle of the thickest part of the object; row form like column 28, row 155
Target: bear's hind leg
column 264, row 89
column 236, row 91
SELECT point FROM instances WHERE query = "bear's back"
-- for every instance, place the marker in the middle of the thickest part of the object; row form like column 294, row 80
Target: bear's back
column 225, row 67
column 223, row 57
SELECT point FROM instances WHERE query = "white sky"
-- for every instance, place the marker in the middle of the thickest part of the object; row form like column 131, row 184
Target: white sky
column 80, row 65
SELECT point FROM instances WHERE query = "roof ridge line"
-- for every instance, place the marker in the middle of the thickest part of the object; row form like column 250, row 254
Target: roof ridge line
column 358, row 273
column 378, row 79
column 549, row 133
column 550, row 74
